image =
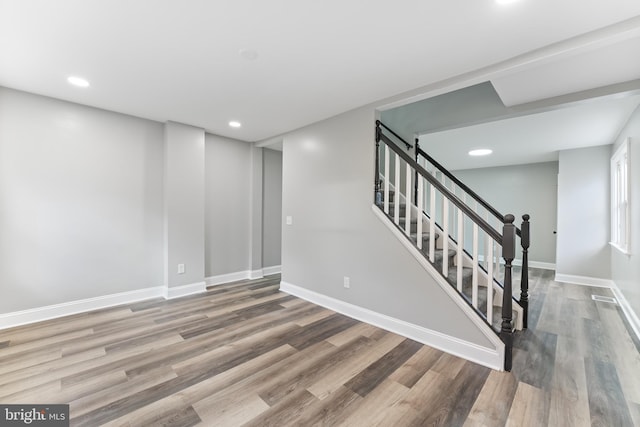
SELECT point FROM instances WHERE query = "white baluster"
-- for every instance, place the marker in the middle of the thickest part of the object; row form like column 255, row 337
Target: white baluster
column 396, row 184
column 487, row 242
column 460, row 251
column 474, row 278
column 490, row 282
column 432, row 225
column 386, row 179
column 420, row 208
column 445, row 237
column 407, row 202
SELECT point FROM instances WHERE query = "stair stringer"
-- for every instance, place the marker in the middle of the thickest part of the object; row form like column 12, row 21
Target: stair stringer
column 495, row 359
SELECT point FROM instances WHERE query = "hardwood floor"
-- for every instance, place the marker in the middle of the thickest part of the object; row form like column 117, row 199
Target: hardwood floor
column 247, row 354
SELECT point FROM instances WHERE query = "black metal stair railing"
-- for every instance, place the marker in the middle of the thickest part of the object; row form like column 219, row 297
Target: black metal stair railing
column 522, row 233
column 505, row 239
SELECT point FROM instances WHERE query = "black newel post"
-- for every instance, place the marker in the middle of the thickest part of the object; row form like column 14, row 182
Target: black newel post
column 508, row 253
column 377, row 195
column 524, row 282
column 415, row 181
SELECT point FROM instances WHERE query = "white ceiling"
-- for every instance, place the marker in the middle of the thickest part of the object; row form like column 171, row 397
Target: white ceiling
column 179, row 60
column 532, row 138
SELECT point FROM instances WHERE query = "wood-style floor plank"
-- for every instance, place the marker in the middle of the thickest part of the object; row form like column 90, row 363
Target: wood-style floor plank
column 527, row 408
column 245, row 353
column 607, row 404
column 493, row 404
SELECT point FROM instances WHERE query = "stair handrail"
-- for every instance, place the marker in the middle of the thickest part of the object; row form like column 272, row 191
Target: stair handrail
column 379, row 123
column 523, row 232
column 448, row 174
column 463, row 186
column 507, row 239
column 482, row 223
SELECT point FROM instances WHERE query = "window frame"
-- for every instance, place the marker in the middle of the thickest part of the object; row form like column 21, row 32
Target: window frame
column 620, row 203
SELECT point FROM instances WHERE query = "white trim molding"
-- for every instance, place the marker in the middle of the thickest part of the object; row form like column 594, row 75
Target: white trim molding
column 17, row 318
column 184, row 290
column 489, row 357
column 532, row 264
column 538, row 264
column 631, row 315
column 256, row 274
column 584, row 280
column 242, row 275
column 275, row 269
column 227, row 278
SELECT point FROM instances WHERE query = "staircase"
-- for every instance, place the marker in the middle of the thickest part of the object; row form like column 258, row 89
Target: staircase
column 469, row 243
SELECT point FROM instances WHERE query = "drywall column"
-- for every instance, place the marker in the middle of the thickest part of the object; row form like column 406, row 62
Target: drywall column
column 582, row 251
column 183, row 210
column 255, row 238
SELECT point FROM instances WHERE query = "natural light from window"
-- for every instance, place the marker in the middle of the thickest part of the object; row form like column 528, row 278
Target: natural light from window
column 620, row 227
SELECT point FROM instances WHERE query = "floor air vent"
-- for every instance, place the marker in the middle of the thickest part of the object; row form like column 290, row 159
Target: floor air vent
column 601, row 298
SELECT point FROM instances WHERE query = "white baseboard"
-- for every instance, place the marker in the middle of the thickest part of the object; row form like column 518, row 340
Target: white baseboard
column 532, row 264
column 629, row 313
column 276, row 269
column 489, row 357
column 584, row 280
column 184, row 290
column 242, row 275
column 539, row 264
column 226, row 278
column 39, row 314
column 256, row 274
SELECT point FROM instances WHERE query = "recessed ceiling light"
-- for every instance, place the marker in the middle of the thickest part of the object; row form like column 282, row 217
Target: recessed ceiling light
column 78, row 81
column 235, row 124
column 506, row 1
column 480, row 152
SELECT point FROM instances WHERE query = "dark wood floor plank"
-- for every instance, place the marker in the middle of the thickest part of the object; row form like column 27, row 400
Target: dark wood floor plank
column 286, row 412
column 303, row 376
column 225, row 395
column 327, row 412
column 379, row 370
column 540, row 362
column 454, row 403
column 416, row 366
column 320, row 330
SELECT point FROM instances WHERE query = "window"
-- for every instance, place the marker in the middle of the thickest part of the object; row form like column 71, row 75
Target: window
column 620, row 198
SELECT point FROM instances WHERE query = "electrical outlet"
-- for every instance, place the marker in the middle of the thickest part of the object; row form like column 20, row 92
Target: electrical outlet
column 180, row 268
column 289, row 220
column 347, row 282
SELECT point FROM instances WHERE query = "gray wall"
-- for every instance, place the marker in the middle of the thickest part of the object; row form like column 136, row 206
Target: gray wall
column 227, row 211
column 625, row 269
column 521, row 189
column 80, row 202
column 94, row 203
column 184, row 204
column 272, row 208
column 328, row 189
column 583, row 213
